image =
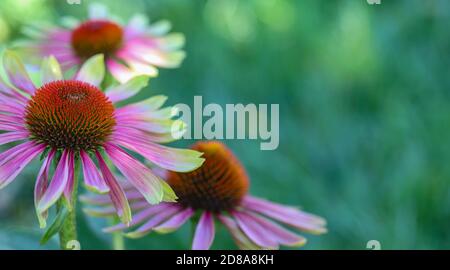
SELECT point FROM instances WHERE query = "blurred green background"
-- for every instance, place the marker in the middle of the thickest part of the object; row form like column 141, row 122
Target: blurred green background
column 364, row 95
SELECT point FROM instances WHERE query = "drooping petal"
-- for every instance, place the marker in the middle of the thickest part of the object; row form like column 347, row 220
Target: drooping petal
column 57, row 185
column 93, row 70
column 14, row 119
column 239, row 237
column 285, row 214
column 12, row 152
column 13, row 136
column 204, row 233
column 41, row 186
column 255, row 231
column 11, row 108
column 110, row 211
column 153, row 222
column 116, row 192
column 142, row 216
column 8, row 126
column 13, row 161
column 92, row 178
column 68, row 190
column 135, row 172
column 175, row 222
column 127, row 90
column 178, row 160
column 274, row 231
column 17, row 73
column 103, row 200
column 51, row 71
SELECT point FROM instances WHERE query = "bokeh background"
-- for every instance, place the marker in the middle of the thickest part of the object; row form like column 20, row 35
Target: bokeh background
column 364, row 94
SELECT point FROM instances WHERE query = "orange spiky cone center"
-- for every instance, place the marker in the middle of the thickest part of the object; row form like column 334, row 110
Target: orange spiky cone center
column 70, row 115
column 96, row 36
column 219, row 185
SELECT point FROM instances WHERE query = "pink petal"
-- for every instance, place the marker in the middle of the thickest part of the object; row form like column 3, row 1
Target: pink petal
column 68, row 190
column 175, row 222
column 142, row 216
column 179, row 160
column 12, row 107
column 154, row 221
column 132, row 133
column 13, row 136
column 13, row 161
column 41, row 186
column 119, row 71
column 11, row 118
column 91, row 175
column 204, row 233
column 271, row 231
column 57, row 185
column 278, row 233
column 149, row 125
column 239, row 236
column 255, row 231
column 136, row 25
column 150, row 54
column 116, row 192
column 102, row 200
column 14, row 151
column 109, row 210
column 135, row 172
column 137, row 64
column 288, row 215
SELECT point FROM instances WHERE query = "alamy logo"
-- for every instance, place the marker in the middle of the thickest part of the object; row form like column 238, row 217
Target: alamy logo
column 373, row 245
column 74, row 2
column 373, row 2
column 235, row 121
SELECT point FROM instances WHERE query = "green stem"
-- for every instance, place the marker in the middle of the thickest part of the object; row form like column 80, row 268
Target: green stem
column 118, row 241
column 68, row 232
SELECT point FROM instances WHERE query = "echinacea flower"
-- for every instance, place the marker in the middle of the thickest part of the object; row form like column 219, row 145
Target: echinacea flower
column 71, row 121
column 216, row 191
column 131, row 49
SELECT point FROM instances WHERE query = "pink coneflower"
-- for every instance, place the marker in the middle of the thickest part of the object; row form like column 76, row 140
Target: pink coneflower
column 72, row 121
column 216, row 191
column 130, row 50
